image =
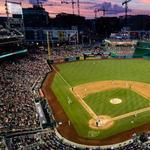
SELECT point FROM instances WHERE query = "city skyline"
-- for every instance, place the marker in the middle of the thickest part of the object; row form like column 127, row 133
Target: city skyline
column 87, row 7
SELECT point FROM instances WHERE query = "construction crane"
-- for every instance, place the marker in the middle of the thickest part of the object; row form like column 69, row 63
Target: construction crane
column 78, row 5
column 72, row 2
column 126, row 9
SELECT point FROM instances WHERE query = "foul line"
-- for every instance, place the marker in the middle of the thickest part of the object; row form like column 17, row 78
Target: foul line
column 132, row 113
column 61, row 77
column 82, row 102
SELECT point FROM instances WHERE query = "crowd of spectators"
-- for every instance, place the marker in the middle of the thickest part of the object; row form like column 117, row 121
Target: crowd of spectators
column 121, row 50
column 7, row 33
column 50, row 141
column 4, row 32
column 62, row 53
column 120, row 39
column 140, row 142
column 17, row 109
column 40, row 141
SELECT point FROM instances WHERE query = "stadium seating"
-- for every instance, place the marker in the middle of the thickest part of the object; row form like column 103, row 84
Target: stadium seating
column 142, row 48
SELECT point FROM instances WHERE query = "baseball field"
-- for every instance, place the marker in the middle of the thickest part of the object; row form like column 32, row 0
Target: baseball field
column 103, row 98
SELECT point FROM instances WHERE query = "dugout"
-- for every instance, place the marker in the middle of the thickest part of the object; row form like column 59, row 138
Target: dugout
column 72, row 58
column 45, row 113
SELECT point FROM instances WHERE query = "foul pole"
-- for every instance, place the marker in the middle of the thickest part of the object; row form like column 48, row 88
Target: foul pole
column 48, row 46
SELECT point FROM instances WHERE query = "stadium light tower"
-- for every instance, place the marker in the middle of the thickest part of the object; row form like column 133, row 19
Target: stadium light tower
column 48, row 45
column 126, row 9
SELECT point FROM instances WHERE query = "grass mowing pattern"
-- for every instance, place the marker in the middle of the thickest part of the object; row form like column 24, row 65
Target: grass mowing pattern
column 131, row 101
column 88, row 71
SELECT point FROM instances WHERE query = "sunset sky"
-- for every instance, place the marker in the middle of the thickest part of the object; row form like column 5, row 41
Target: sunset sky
column 87, row 6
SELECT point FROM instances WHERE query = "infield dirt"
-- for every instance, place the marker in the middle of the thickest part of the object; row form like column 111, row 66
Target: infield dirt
column 81, row 91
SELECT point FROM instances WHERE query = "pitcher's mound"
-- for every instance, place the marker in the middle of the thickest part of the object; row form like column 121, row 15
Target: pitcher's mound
column 115, row 101
column 102, row 122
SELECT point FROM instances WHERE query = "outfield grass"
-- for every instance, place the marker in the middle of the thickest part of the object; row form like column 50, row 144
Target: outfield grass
column 131, row 101
column 88, row 71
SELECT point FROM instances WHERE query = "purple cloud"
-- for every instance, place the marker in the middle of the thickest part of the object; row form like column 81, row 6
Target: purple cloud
column 110, row 8
column 36, row 1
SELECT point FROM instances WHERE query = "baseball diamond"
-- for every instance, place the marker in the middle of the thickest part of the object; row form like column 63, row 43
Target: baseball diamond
column 108, row 98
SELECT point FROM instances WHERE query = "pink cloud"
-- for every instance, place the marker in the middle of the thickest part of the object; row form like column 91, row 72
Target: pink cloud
column 145, row 1
column 137, row 9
